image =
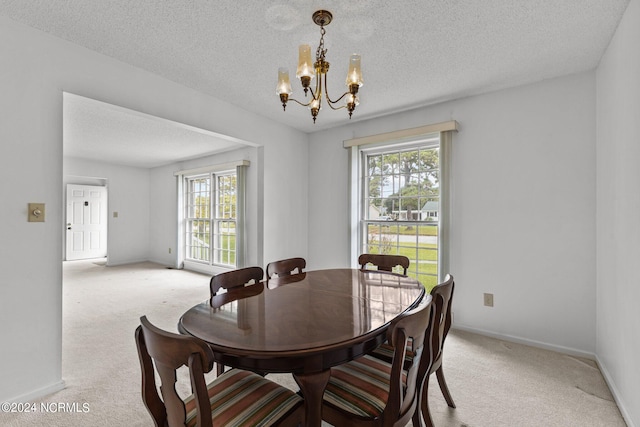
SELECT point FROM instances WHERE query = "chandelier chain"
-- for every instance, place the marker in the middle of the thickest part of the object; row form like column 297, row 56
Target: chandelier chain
column 321, row 51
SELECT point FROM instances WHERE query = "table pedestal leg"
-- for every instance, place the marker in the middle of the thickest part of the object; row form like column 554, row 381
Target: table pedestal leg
column 312, row 387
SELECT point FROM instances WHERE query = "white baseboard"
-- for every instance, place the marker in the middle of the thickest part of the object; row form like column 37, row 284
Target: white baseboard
column 37, row 394
column 525, row 341
column 615, row 392
column 164, row 262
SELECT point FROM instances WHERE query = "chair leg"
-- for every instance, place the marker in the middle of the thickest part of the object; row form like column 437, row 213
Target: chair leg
column 417, row 417
column 426, row 416
column 416, row 420
column 444, row 388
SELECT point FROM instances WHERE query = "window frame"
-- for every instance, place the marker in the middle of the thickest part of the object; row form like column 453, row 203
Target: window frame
column 427, row 142
column 216, row 249
column 239, row 168
column 218, row 220
column 445, row 131
column 191, row 205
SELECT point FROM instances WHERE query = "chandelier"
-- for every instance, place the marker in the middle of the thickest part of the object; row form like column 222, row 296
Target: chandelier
column 319, row 69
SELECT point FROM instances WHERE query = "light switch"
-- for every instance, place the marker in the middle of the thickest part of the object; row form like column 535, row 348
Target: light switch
column 36, row 212
column 488, row 300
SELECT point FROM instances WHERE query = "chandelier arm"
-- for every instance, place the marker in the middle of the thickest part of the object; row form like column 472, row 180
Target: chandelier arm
column 329, row 101
column 317, row 94
column 304, row 105
column 336, row 108
column 326, row 93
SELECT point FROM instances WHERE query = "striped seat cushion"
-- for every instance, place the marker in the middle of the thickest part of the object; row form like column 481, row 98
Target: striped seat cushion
column 360, row 387
column 385, row 352
column 242, row 398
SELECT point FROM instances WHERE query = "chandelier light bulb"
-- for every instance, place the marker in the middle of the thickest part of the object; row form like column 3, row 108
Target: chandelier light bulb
column 353, row 99
column 284, row 84
column 354, row 75
column 315, row 104
column 305, row 65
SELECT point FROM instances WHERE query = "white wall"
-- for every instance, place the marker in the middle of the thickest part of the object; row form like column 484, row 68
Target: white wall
column 36, row 69
column 128, row 192
column 523, row 205
column 163, row 220
column 618, row 214
column 286, row 203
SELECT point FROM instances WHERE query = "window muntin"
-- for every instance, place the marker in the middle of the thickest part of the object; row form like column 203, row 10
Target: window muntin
column 211, row 218
column 400, row 206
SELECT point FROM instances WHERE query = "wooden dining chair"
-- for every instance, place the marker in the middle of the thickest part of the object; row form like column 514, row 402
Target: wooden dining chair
column 285, row 267
column 233, row 279
column 384, row 262
column 371, row 392
column 235, row 398
column 442, row 297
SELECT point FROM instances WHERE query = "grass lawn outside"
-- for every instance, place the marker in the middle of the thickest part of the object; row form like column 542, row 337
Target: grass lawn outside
column 394, row 227
column 423, row 257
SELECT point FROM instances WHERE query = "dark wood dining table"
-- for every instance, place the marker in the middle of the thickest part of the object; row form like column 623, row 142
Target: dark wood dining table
column 303, row 324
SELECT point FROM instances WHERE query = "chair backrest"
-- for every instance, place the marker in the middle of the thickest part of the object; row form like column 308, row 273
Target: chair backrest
column 442, row 296
column 169, row 352
column 285, row 267
column 384, row 262
column 235, row 278
column 236, row 294
column 403, row 395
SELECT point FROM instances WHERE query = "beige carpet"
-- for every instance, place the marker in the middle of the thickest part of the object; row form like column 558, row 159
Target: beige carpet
column 494, row 383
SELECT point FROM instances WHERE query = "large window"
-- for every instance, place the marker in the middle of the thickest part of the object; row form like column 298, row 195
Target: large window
column 400, row 205
column 211, row 218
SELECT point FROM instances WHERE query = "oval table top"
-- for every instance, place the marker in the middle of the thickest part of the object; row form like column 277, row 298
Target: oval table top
column 338, row 314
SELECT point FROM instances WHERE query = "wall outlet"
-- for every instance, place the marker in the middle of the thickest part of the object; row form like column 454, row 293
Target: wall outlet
column 169, row 250
column 488, row 300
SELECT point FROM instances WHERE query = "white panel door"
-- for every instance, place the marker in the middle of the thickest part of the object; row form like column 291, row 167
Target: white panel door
column 86, row 222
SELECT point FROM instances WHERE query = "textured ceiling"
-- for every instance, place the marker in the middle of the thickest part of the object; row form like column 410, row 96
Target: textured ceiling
column 414, row 52
column 112, row 134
